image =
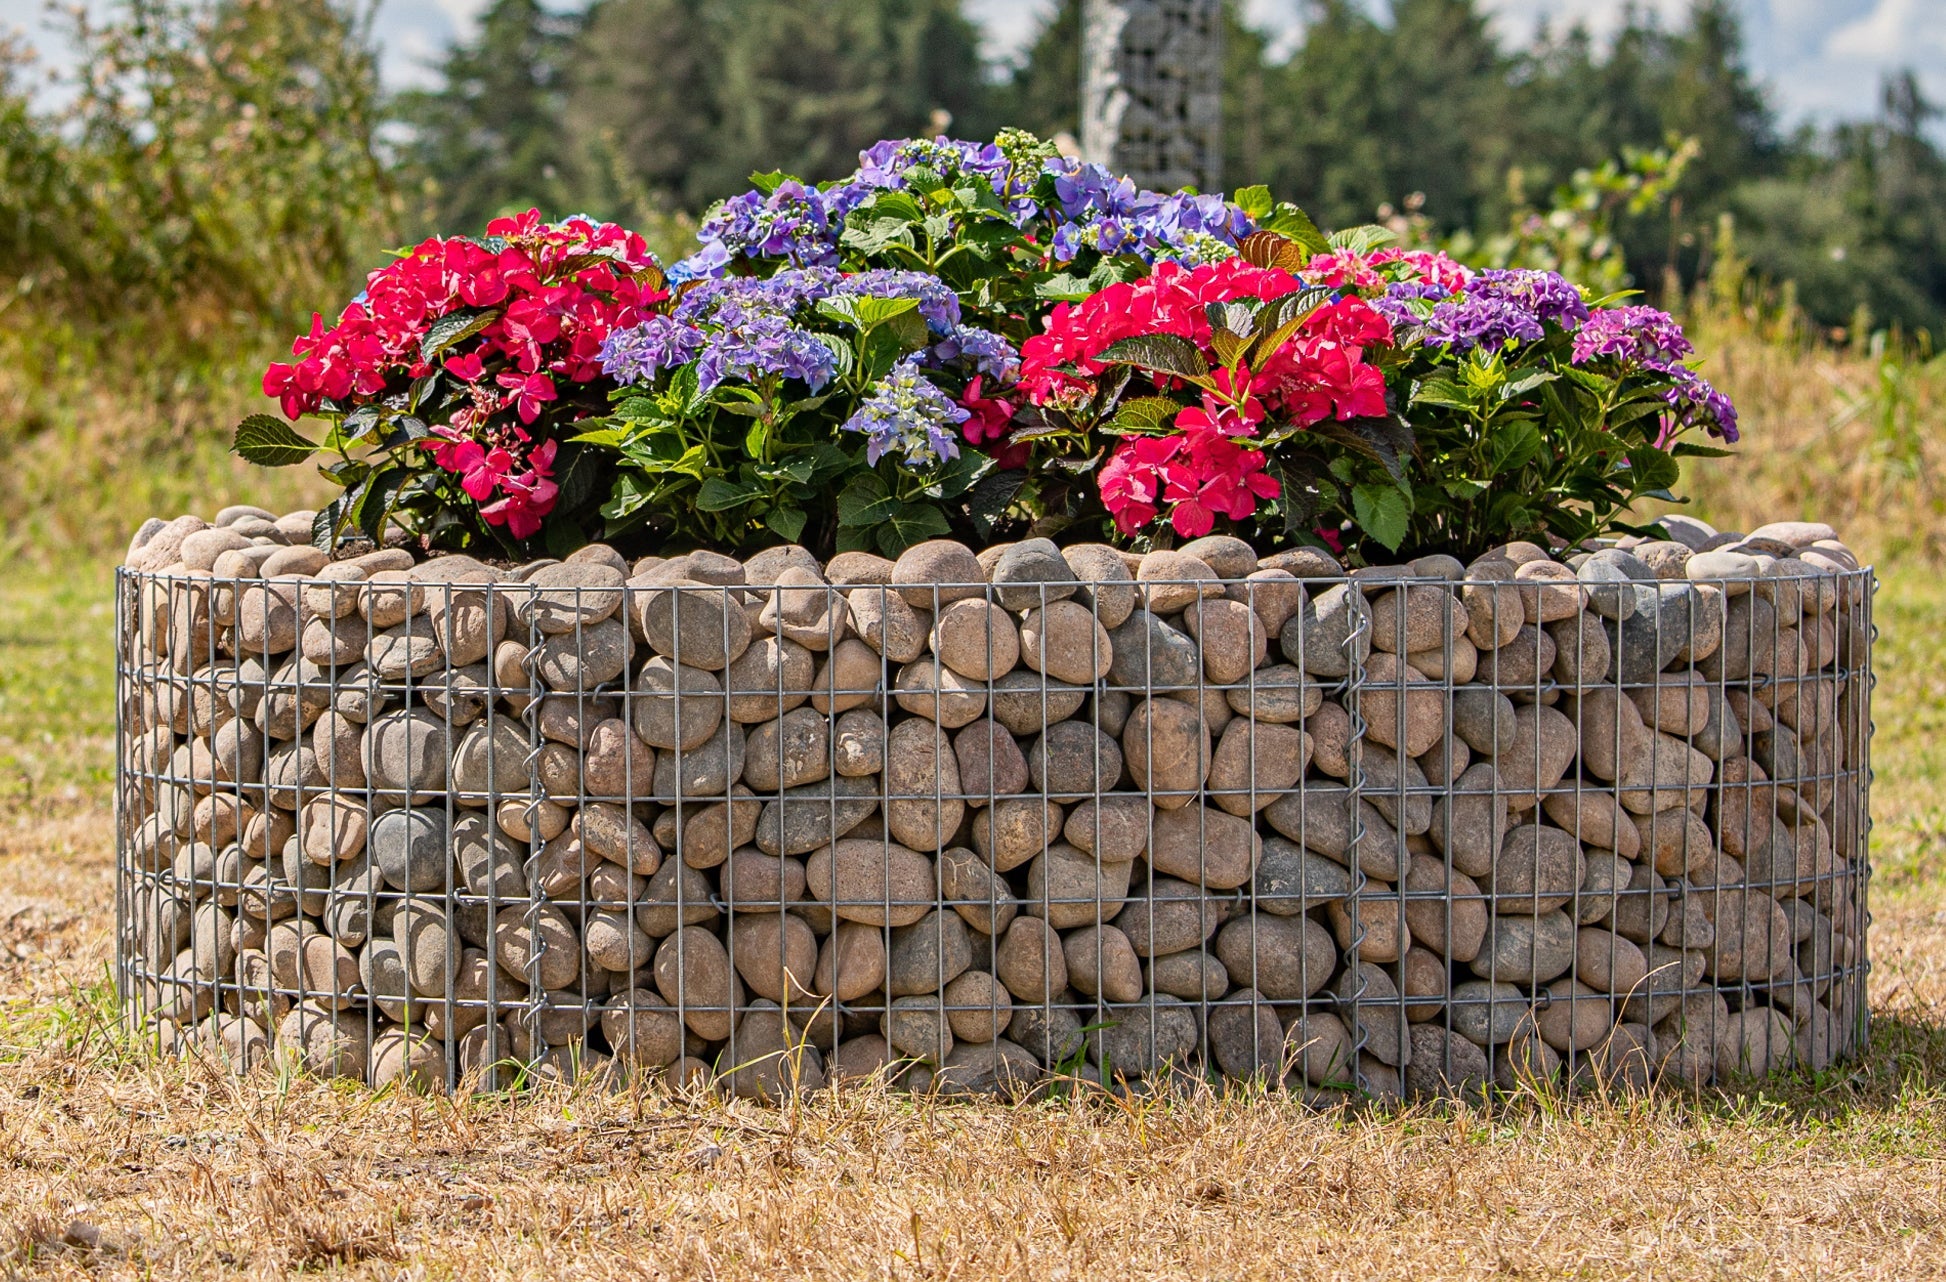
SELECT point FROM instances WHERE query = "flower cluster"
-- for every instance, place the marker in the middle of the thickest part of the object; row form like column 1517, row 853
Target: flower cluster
column 748, row 328
column 855, row 364
column 908, row 415
column 1318, row 373
column 1648, row 340
column 1064, row 206
column 538, row 301
column 1200, row 472
column 1370, row 272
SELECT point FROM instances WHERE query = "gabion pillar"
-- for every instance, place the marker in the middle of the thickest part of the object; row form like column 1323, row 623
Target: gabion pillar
column 1151, row 90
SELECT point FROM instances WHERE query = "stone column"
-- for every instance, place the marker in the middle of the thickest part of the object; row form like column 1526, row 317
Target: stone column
column 1152, row 90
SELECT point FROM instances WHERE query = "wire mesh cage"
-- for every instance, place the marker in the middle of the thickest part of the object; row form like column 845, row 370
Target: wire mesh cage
column 1025, row 822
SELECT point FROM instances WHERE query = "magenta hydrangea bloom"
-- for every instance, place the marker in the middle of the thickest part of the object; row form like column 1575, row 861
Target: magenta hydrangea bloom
column 1644, row 336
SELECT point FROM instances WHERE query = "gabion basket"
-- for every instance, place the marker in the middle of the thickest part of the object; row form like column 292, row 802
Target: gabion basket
column 997, row 824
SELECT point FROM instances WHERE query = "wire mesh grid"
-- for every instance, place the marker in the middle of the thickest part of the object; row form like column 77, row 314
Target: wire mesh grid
column 1386, row 834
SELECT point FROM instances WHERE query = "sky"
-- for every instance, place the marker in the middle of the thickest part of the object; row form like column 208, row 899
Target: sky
column 1822, row 59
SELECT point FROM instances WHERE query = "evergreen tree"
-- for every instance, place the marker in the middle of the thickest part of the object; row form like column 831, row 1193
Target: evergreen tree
column 639, row 103
column 1044, row 92
column 489, row 139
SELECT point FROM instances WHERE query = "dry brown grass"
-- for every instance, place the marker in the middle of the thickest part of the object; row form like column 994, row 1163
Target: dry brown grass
column 121, row 1165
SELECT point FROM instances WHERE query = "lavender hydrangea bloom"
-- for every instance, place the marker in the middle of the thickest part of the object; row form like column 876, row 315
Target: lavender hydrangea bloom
column 938, row 304
column 908, row 414
column 1549, row 296
column 1465, row 323
column 765, row 345
column 983, row 350
column 1395, row 304
column 1697, row 404
column 735, row 300
column 1645, row 336
column 659, row 343
column 791, row 222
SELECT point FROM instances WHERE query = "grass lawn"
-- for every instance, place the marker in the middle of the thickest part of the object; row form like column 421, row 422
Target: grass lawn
column 120, row 1165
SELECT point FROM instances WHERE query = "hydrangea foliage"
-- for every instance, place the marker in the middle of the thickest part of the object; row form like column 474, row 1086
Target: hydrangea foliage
column 981, row 339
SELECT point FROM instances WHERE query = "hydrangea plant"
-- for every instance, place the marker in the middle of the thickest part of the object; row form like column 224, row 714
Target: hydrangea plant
column 982, row 340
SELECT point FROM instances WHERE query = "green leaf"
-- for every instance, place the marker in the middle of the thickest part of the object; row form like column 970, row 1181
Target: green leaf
column 910, row 524
column 1162, row 353
column 720, row 495
column 1362, row 239
column 1388, row 439
column 577, row 471
column 1443, row 392
column 608, row 437
column 405, row 430
column 767, row 182
column 865, row 502
column 269, row 441
column 1144, row 413
column 455, row 327
column 877, row 236
column 1512, row 446
column 956, row 476
column 1652, row 469
column 375, row 500
column 1382, row 512
column 630, row 491
column 989, row 500
column 325, row 525
column 1689, row 449
column 1294, row 224
column 1255, row 201
column 1305, row 490
column 1063, row 287
column 788, row 522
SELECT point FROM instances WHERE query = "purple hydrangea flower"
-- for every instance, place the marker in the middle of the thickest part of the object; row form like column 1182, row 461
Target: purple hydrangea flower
column 1549, row 296
column 1467, row 322
column 1395, row 304
column 791, row 222
column 1644, row 336
column 983, row 350
column 1499, row 308
column 659, row 343
column 735, row 300
column 764, row 345
column 937, row 301
column 1697, row 404
column 907, row 414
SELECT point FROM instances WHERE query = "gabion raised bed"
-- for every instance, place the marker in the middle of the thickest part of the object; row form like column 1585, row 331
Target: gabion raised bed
column 996, row 822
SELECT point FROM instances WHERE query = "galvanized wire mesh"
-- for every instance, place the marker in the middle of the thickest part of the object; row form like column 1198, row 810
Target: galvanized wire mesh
column 1387, row 834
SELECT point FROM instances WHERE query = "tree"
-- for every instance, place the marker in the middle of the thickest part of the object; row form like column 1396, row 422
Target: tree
column 1043, row 93
column 805, row 88
column 639, row 108
column 489, row 139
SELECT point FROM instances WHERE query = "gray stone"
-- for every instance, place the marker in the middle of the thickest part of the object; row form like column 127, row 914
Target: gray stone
column 1026, row 702
column 404, row 756
column 675, row 705
column 1612, row 577
column 1105, row 586
column 569, row 595
column 928, row 954
column 1148, row 653
column 1290, row 880
column 1317, row 636
column 1526, row 950
column 1032, row 573
column 411, row 850
column 812, row 815
column 1143, row 1039
column 702, row 772
column 1073, row 761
